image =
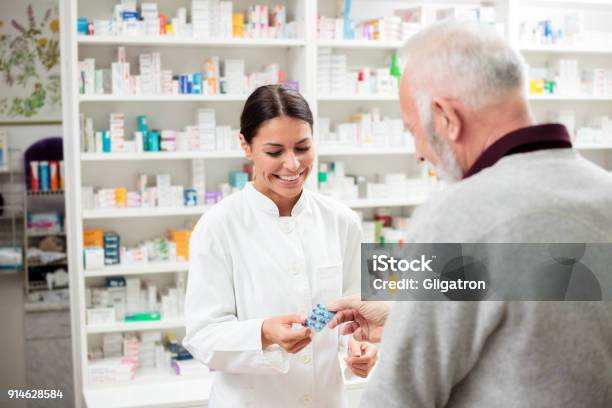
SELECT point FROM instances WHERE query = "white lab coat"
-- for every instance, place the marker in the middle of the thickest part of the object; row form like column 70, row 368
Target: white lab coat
column 248, row 264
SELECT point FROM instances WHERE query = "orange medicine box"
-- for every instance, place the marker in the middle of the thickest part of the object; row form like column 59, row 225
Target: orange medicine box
column 181, row 240
column 121, row 197
column 93, row 237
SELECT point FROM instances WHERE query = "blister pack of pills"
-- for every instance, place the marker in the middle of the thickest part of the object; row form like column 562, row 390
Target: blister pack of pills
column 319, row 317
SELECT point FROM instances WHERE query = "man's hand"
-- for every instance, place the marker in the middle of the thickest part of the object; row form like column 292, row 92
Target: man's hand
column 361, row 357
column 365, row 320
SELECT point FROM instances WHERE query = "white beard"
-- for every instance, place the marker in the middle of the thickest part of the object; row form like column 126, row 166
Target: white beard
column 449, row 168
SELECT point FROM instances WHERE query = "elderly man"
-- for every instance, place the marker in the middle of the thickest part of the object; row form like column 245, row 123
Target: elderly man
column 463, row 97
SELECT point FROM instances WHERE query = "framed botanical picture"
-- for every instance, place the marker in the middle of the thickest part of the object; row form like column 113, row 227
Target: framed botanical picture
column 30, row 90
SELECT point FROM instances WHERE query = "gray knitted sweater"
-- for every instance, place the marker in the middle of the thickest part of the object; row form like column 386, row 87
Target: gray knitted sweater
column 505, row 354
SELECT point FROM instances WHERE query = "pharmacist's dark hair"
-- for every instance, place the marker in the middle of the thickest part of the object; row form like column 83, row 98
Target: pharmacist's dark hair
column 269, row 102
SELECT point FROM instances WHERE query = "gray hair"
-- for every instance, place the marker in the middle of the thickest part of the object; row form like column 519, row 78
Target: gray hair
column 466, row 60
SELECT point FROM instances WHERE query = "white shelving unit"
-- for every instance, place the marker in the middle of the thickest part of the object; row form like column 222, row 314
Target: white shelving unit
column 137, row 269
column 160, row 156
column 298, row 57
column 142, row 212
column 412, row 201
column 135, row 326
column 162, row 98
column 360, row 44
column 360, row 98
column 365, row 151
column 190, row 42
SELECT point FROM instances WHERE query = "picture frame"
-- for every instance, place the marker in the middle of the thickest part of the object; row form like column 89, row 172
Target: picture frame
column 30, row 88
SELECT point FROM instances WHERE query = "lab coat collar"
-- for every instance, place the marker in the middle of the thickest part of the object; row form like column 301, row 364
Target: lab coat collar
column 262, row 202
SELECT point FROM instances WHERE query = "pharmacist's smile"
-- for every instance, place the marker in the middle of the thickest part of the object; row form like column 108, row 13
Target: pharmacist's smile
column 289, row 179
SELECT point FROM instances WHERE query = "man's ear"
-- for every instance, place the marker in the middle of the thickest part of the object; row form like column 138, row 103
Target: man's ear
column 246, row 147
column 447, row 119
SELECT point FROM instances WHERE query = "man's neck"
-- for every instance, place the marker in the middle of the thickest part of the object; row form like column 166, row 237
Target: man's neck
column 498, row 122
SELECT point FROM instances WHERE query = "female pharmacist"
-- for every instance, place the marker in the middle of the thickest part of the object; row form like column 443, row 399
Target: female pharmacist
column 261, row 258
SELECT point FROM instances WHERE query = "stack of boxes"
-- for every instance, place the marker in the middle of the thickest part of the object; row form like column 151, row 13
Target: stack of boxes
column 123, row 355
column 211, row 18
column 324, row 80
column 115, row 287
column 111, row 248
column 381, row 29
column 164, row 190
column 257, row 20
column 149, row 342
column 334, row 182
column 87, row 72
column 168, row 141
column 330, row 28
column 120, row 74
column 224, row 22
column 211, row 73
column 332, row 71
column 205, row 121
column 181, row 241
column 155, row 81
column 161, row 250
column 112, row 345
column 111, row 371
column 278, row 21
column 131, row 349
column 365, row 130
column 234, row 76
column 201, row 18
column 147, row 73
column 133, row 298
column 128, row 17
column 117, row 133
column 238, row 25
column 198, row 178
column 93, row 248
column 103, row 248
column 568, row 80
column 150, row 19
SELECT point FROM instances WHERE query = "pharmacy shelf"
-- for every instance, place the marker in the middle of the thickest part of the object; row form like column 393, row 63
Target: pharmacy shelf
column 163, row 388
column 151, row 390
column 142, row 212
column 564, row 49
column 169, row 41
column 570, row 97
column 387, row 202
column 138, row 269
column 360, row 44
column 358, row 97
column 162, row 98
column 135, row 326
column 95, row 157
column 365, row 151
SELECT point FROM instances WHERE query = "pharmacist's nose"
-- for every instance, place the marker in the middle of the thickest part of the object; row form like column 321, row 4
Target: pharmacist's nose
column 291, row 162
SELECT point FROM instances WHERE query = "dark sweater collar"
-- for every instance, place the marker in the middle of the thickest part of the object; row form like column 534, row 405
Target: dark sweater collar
column 524, row 140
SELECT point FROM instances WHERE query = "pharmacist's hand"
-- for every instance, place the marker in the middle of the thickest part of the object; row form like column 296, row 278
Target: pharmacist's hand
column 361, row 357
column 365, row 320
column 278, row 330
